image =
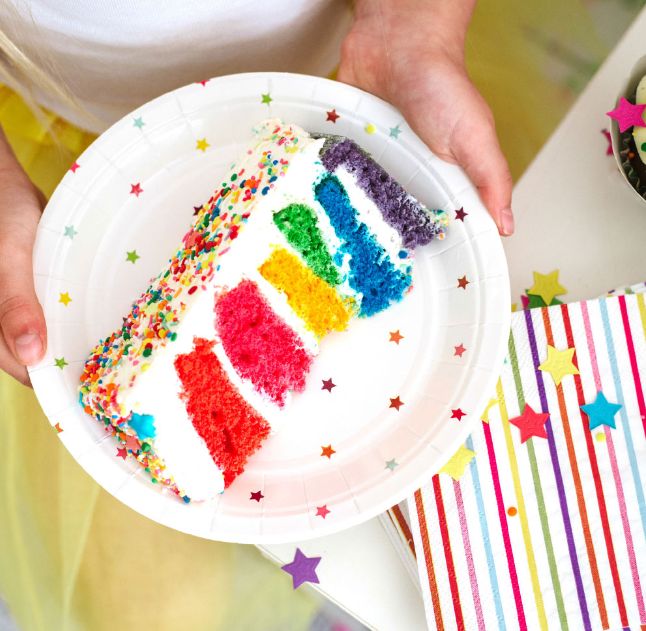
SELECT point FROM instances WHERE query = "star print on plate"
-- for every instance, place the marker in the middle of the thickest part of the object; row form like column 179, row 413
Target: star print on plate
column 138, row 122
column 391, row 464
column 64, row 298
column 463, row 282
column 328, row 384
column 628, row 114
column 459, row 350
column 396, row 403
column 530, row 423
column 266, row 98
column 458, row 463
column 122, row 452
column 327, row 451
column 547, row 286
column 256, row 495
column 70, row 232
column 132, row 256
column 135, row 189
column 394, row 132
column 202, row 145
column 458, row 414
column 332, row 116
column 302, row 569
column 322, row 511
column 60, row 362
column 74, row 167
column 58, row 428
column 601, row 412
column 460, row 214
column 396, row 336
column 559, row 363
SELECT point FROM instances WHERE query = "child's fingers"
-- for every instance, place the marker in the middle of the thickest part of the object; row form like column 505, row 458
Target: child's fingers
column 487, row 168
column 10, row 365
column 21, row 317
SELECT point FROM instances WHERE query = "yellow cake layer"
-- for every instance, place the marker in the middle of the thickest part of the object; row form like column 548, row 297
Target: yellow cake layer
column 312, row 299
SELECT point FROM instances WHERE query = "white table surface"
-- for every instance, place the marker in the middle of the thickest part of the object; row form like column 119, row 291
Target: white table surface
column 575, row 213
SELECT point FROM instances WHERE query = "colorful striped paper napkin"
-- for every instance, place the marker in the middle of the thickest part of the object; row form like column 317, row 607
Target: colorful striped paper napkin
column 548, row 532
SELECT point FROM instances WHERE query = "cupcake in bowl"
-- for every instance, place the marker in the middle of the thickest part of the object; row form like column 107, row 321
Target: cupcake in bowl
column 628, row 130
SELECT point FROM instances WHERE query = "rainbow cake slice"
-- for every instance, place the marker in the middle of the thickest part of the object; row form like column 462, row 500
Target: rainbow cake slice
column 305, row 234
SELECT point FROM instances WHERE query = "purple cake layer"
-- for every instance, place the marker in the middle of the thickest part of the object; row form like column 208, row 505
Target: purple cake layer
column 415, row 224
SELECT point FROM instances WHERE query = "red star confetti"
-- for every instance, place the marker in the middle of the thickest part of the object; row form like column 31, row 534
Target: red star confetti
column 530, row 423
column 196, row 209
column 74, row 167
column 122, row 452
column 628, row 114
column 322, row 511
column 328, row 384
column 460, row 214
column 327, row 451
column 203, row 82
column 396, row 403
column 58, row 428
column 302, row 569
column 256, row 495
column 135, row 189
column 463, row 282
column 332, row 116
column 396, row 336
column 459, row 350
column 458, row 414
column 606, row 133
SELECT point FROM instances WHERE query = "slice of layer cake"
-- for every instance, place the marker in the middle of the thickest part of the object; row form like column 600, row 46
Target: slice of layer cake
column 304, row 235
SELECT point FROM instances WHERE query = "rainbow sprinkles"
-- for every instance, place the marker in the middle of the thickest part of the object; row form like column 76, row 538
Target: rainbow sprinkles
column 305, row 234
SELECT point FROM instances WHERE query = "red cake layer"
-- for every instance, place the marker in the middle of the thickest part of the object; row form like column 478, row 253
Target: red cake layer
column 230, row 427
column 259, row 344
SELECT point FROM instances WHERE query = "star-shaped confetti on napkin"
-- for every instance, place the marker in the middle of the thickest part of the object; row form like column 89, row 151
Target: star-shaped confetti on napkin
column 530, row 423
column 601, row 412
column 559, row 363
column 458, row 463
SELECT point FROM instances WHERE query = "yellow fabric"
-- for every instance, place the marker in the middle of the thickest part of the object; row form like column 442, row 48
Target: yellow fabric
column 71, row 556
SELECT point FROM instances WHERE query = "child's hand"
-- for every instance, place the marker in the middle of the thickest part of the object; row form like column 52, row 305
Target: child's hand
column 410, row 52
column 22, row 324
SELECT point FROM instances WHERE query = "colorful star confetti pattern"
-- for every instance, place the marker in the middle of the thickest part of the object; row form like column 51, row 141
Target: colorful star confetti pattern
column 458, row 463
column 628, row 114
column 70, row 232
column 391, row 464
column 332, row 116
column 601, row 411
column 559, row 364
column 266, row 99
column 132, row 256
column 547, row 286
column 60, row 362
column 530, row 423
column 394, row 132
column 136, row 190
column 327, row 451
column 328, row 384
column 396, row 403
column 396, row 337
column 302, row 569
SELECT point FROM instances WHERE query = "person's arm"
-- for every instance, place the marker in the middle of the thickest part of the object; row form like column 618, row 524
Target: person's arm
column 411, row 53
column 22, row 324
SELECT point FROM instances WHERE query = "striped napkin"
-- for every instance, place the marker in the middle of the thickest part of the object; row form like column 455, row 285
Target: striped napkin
column 539, row 520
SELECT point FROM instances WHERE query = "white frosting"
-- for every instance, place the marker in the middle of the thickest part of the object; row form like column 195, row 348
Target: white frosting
column 157, row 391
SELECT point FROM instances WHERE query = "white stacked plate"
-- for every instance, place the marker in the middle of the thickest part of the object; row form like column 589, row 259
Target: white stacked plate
column 400, row 406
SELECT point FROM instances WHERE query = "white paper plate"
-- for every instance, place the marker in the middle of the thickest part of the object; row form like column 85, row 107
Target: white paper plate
column 381, row 454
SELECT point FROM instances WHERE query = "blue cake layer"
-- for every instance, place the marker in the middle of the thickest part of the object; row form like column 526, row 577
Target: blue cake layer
column 372, row 274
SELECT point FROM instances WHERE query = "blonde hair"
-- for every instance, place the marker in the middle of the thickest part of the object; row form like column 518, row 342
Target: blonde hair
column 33, row 75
